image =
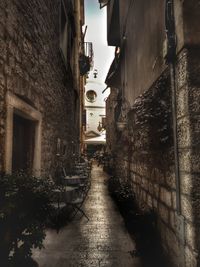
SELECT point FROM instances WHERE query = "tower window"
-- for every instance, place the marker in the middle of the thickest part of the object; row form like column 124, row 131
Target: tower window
column 91, row 96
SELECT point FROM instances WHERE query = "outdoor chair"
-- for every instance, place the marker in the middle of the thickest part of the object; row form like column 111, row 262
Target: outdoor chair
column 83, row 187
column 57, row 205
column 68, row 196
column 76, row 205
column 61, row 197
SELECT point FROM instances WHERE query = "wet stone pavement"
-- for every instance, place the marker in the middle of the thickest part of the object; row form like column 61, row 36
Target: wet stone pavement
column 101, row 241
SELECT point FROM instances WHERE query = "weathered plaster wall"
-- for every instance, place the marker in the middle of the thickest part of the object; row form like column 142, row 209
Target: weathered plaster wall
column 142, row 23
column 31, row 67
column 191, row 11
column 144, row 31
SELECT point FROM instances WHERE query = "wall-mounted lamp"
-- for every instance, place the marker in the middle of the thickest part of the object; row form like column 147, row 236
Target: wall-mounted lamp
column 99, row 128
column 102, row 125
column 122, row 120
column 95, row 73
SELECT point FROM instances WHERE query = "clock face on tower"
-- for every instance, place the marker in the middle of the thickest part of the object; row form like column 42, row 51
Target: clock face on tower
column 91, row 96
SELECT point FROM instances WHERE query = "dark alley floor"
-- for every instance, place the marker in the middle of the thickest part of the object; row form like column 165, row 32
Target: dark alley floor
column 102, row 241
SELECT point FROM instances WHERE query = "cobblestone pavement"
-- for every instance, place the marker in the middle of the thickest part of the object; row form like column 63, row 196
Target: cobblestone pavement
column 103, row 241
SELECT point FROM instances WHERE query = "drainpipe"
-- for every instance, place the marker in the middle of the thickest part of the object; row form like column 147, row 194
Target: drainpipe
column 175, row 137
column 171, row 58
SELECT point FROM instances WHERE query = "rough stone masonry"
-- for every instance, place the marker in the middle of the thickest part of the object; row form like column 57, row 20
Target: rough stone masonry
column 32, row 68
column 144, row 154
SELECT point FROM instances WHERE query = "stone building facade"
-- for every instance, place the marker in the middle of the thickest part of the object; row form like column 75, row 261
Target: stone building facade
column 157, row 152
column 39, row 83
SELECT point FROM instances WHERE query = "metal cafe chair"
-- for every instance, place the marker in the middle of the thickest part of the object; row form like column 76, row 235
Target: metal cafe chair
column 76, row 205
column 77, row 201
column 60, row 194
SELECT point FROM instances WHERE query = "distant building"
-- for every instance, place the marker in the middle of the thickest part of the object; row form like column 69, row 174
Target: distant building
column 40, row 84
column 153, row 115
column 95, row 114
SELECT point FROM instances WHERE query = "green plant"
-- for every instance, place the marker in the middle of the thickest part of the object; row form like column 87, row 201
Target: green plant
column 24, row 209
column 120, row 189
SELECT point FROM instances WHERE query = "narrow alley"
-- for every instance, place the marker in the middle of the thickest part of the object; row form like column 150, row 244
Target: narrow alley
column 101, row 241
column 113, row 82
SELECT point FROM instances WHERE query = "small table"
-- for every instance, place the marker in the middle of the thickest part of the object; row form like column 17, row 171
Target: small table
column 62, row 195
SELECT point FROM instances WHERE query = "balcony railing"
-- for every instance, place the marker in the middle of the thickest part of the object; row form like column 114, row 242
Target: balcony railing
column 88, row 51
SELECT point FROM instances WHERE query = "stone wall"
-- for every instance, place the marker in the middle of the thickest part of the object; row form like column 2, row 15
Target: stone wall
column 144, row 151
column 145, row 158
column 32, row 68
column 188, row 117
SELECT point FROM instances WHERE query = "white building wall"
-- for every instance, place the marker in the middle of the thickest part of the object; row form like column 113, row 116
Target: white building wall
column 95, row 110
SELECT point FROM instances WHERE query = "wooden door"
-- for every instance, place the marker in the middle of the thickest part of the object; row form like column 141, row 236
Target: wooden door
column 23, row 143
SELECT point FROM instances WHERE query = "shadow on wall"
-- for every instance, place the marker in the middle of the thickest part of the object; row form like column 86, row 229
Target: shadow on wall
column 141, row 226
column 145, row 154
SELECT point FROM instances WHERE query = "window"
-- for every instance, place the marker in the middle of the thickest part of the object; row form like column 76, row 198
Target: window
column 91, row 96
column 23, row 143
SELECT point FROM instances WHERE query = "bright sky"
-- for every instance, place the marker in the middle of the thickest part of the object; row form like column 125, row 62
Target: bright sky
column 95, row 19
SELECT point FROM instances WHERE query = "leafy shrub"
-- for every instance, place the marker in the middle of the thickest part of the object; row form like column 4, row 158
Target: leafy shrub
column 121, row 190
column 24, row 209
